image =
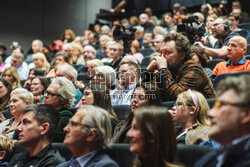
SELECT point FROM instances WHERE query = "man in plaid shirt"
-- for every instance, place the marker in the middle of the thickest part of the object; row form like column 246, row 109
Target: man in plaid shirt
column 174, row 70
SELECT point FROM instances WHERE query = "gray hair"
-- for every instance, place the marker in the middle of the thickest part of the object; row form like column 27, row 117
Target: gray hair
column 105, row 27
column 69, row 70
column 108, row 72
column 140, row 28
column 98, row 118
column 67, row 90
column 240, row 84
column 18, row 55
column 161, row 37
column 24, row 94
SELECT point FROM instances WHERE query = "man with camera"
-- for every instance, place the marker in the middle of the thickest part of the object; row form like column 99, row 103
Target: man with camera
column 222, row 30
column 174, row 70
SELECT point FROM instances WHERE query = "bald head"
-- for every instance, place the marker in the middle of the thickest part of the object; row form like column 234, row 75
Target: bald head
column 129, row 58
column 237, row 47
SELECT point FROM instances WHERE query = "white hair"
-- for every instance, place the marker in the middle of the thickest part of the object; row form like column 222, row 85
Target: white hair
column 108, row 72
column 105, row 27
column 23, row 94
column 67, row 90
column 140, row 28
column 69, row 70
column 161, row 37
column 98, row 118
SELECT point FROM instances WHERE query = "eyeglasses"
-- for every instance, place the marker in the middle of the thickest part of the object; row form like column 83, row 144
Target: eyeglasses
column 73, row 123
column 219, row 104
column 48, row 93
column 180, row 103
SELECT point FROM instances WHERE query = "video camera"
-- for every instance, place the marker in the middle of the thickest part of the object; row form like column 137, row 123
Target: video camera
column 194, row 32
column 125, row 33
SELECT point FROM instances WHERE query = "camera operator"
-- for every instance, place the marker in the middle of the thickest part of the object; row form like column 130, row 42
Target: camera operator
column 175, row 72
column 222, row 30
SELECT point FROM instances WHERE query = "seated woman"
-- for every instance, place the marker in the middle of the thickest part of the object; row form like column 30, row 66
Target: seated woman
column 97, row 94
column 40, row 61
column 11, row 74
column 145, row 94
column 190, row 111
column 34, row 72
column 38, row 87
column 153, row 137
column 20, row 98
column 5, row 89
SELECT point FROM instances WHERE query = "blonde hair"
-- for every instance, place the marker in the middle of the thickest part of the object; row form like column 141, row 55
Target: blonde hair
column 136, row 44
column 76, row 46
column 23, row 94
column 6, row 144
column 13, row 71
column 95, row 62
column 200, row 116
column 41, row 56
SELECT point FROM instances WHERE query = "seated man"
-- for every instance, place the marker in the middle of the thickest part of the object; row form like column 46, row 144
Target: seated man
column 129, row 75
column 88, row 132
column 237, row 47
column 37, row 128
column 175, row 72
column 61, row 94
column 230, row 120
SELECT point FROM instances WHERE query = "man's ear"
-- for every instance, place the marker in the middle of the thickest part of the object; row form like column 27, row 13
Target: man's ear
column 246, row 117
column 2, row 155
column 92, row 135
column 45, row 127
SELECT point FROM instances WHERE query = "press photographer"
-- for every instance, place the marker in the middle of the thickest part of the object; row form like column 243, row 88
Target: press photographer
column 222, row 30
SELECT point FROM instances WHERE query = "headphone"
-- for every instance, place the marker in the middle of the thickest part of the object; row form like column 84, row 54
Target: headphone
column 228, row 26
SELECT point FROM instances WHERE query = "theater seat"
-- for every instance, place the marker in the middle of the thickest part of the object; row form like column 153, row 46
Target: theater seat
column 212, row 63
column 122, row 111
column 188, row 155
column 220, row 77
column 64, row 150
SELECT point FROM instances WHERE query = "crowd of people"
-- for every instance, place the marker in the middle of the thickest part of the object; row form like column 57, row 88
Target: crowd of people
column 65, row 93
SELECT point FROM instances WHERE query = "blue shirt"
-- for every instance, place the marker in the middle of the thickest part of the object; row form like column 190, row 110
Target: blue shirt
column 240, row 62
column 122, row 97
column 83, row 160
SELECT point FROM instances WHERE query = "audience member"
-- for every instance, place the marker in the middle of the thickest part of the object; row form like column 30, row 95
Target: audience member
column 36, row 46
column 158, row 30
column 34, row 72
column 70, row 73
column 61, row 95
column 61, row 58
column 75, row 52
column 6, row 150
column 115, row 50
column 157, row 41
column 38, row 126
column 5, row 90
column 222, row 30
column 237, row 47
column 177, row 72
column 68, row 36
column 135, row 47
column 230, row 118
column 145, row 94
column 11, row 74
column 128, row 58
column 129, row 75
column 40, row 61
column 153, row 137
column 101, row 53
column 38, row 87
column 145, row 22
column 105, row 75
column 139, row 33
column 191, row 111
column 97, row 94
column 89, row 53
column 88, row 133
column 168, row 22
column 200, row 58
column 20, row 98
column 17, row 61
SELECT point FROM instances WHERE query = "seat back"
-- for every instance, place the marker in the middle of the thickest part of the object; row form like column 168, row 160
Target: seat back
column 188, row 155
column 220, row 77
column 212, row 63
column 122, row 111
column 64, row 150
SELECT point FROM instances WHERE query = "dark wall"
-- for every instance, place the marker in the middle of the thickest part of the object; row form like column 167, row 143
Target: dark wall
column 25, row 20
